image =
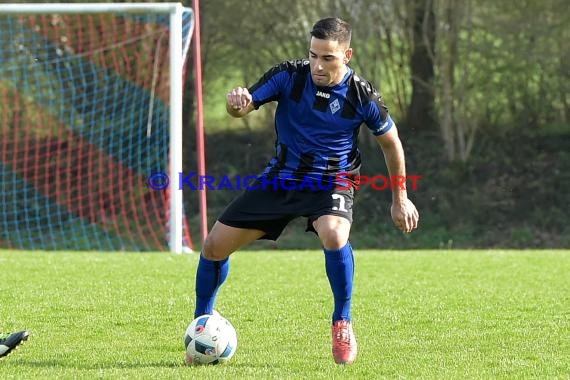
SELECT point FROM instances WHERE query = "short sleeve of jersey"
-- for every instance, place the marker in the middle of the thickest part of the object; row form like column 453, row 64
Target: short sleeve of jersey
column 273, row 83
column 377, row 117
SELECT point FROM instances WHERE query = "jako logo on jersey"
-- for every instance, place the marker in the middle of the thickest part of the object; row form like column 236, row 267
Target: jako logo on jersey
column 323, row 94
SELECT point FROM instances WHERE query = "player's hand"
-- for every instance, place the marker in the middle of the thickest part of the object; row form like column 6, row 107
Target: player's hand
column 239, row 98
column 405, row 215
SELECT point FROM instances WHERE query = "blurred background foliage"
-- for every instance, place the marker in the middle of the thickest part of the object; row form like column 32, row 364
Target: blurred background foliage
column 478, row 88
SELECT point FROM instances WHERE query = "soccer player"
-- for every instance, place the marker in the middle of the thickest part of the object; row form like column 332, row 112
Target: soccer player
column 10, row 341
column 321, row 106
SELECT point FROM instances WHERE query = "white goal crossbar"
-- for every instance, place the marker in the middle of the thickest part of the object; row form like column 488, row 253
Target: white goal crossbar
column 61, row 8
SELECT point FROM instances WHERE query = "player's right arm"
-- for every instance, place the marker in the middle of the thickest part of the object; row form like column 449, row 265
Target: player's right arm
column 239, row 102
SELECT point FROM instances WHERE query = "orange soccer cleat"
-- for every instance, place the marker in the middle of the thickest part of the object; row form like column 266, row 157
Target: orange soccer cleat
column 344, row 346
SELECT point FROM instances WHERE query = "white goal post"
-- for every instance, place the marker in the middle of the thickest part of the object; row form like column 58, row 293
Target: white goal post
column 178, row 49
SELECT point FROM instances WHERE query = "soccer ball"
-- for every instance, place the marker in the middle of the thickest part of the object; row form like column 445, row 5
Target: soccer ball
column 210, row 339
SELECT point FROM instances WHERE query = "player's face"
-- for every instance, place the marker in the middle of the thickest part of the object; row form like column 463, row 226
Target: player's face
column 328, row 61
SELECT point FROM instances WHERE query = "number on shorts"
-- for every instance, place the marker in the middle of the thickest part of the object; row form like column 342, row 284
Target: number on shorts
column 341, row 202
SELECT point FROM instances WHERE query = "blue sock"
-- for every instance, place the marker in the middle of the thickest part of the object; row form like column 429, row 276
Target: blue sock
column 340, row 271
column 209, row 277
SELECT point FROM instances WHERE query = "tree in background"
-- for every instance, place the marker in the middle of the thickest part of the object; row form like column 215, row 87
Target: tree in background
column 422, row 114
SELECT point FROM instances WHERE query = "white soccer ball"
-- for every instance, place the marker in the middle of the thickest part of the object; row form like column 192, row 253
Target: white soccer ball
column 210, row 339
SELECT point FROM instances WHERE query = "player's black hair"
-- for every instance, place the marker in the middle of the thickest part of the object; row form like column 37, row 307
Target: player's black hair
column 333, row 29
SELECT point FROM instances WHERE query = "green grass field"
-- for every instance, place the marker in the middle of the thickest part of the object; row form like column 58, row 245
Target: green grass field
column 417, row 314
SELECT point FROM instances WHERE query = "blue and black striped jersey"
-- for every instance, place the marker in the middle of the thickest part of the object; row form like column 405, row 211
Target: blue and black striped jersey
column 317, row 127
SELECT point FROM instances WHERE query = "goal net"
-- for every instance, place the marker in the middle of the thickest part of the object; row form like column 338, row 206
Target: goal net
column 85, row 119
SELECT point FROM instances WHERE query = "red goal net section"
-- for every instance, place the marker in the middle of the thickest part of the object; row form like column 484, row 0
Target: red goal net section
column 90, row 107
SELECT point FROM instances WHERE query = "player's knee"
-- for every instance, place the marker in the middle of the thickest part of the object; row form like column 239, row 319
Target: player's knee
column 212, row 250
column 334, row 239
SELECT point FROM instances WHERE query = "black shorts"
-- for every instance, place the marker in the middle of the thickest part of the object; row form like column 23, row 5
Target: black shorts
column 270, row 210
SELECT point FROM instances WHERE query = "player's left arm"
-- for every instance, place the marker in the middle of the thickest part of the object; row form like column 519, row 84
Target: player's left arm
column 377, row 118
column 404, row 212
